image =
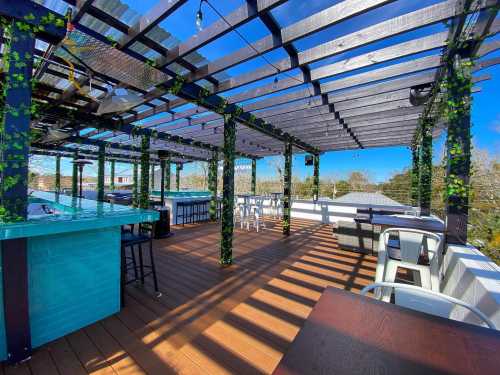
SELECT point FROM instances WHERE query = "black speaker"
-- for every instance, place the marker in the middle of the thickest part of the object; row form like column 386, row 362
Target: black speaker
column 163, row 154
column 309, row 160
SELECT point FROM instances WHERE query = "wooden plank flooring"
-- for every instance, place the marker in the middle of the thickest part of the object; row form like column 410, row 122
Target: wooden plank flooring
column 238, row 320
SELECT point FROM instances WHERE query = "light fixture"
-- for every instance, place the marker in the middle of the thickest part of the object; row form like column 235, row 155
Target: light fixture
column 118, row 100
column 275, row 82
column 199, row 18
column 309, row 102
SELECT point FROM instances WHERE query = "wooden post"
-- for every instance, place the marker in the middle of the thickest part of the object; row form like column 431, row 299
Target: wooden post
column 254, row 177
column 162, row 182
column 458, row 146
column 178, row 176
column 287, row 188
column 316, row 178
column 58, row 174
column 168, row 168
column 14, row 186
column 112, row 176
column 144, row 194
column 212, row 185
column 426, row 167
column 226, row 247
column 74, row 177
column 100, row 172
column 152, row 177
column 135, row 189
column 415, row 175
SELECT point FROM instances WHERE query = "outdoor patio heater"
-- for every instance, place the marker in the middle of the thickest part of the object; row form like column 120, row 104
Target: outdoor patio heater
column 81, row 163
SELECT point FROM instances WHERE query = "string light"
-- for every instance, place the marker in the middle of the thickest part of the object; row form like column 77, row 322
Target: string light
column 276, row 79
column 199, row 17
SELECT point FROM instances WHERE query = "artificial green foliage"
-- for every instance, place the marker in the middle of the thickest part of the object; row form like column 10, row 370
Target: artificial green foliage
column 58, row 174
column 100, row 173
column 212, row 186
column 425, row 167
column 316, row 177
column 112, row 176
column 226, row 248
column 74, row 177
column 144, row 194
column 457, row 113
column 254, row 177
column 135, row 188
column 15, row 120
column 287, row 188
column 415, row 175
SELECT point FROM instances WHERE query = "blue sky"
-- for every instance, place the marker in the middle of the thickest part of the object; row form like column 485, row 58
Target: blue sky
column 380, row 164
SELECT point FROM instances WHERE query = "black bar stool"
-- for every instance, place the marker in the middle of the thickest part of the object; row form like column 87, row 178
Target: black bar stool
column 132, row 242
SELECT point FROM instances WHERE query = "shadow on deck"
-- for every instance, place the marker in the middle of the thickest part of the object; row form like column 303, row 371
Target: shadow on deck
column 238, row 320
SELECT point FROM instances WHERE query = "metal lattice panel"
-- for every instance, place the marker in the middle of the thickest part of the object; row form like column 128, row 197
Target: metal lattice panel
column 107, row 60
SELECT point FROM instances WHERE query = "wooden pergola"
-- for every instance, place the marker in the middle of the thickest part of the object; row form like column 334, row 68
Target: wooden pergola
column 311, row 101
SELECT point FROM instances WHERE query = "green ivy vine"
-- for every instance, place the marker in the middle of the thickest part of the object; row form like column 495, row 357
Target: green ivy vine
column 144, row 194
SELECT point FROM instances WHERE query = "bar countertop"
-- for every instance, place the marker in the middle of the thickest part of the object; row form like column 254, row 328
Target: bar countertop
column 71, row 215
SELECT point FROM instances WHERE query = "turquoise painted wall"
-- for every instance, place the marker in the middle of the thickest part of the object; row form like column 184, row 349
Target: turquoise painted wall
column 74, row 281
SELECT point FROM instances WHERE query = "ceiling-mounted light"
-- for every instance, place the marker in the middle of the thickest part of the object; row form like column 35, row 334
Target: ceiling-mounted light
column 199, row 18
column 118, row 100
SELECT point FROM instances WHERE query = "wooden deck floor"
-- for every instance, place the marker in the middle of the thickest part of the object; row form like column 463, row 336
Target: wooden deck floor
column 238, row 320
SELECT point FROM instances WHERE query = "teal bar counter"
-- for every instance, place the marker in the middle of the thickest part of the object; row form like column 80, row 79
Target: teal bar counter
column 73, row 256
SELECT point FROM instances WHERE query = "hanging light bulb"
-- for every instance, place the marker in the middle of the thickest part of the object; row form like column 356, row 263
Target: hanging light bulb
column 276, row 78
column 199, row 18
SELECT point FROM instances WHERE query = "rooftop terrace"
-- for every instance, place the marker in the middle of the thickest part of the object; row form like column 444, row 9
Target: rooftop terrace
column 211, row 320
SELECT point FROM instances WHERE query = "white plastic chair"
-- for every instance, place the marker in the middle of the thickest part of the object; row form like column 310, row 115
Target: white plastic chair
column 427, row 301
column 411, row 244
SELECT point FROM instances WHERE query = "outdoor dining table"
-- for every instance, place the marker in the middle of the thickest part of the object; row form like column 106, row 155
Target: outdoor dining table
column 351, row 334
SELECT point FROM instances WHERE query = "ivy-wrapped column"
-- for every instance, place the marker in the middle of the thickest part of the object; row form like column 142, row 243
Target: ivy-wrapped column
column 254, row 177
column 144, row 194
column 415, row 175
column 15, row 127
column 316, row 177
column 178, row 168
column 212, row 185
column 112, row 176
column 287, row 188
column 58, row 174
column 226, row 246
column 74, row 177
column 426, row 167
column 458, row 145
column 162, row 182
column 135, row 188
column 168, row 168
column 100, row 172
column 152, row 177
